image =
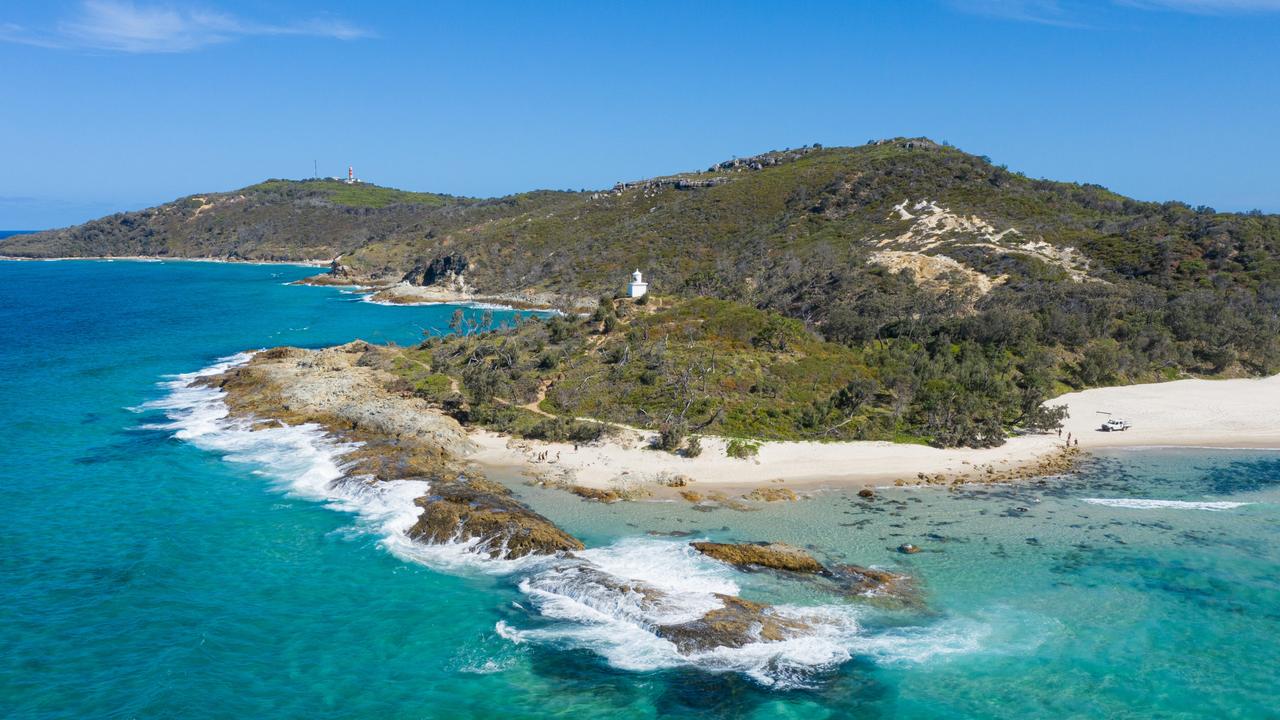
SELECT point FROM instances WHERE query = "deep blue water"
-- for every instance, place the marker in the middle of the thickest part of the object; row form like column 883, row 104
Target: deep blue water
column 143, row 576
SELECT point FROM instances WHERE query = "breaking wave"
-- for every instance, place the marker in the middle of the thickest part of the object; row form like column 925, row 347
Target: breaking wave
column 1144, row 504
column 609, row 600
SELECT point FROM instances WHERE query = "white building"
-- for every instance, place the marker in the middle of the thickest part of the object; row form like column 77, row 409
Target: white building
column 638, row 286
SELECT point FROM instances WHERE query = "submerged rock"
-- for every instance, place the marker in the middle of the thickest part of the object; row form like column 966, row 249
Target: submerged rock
column 856, row 580
column 775, row 556
column 596, row 494
column 908, row 549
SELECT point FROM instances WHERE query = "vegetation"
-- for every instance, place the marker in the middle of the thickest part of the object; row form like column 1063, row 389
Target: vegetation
column 777, row 318
column 741, row 448
column 682, row 367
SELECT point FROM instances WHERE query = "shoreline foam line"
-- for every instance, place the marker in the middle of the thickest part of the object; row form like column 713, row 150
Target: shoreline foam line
column 1148, row 504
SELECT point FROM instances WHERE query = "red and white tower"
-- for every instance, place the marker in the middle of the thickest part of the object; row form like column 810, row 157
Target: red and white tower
column 351, row 175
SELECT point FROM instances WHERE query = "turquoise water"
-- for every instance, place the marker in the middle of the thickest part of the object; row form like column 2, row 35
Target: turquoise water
column 143, row 576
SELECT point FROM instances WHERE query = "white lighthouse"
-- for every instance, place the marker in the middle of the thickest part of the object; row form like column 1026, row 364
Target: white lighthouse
column 638, row 286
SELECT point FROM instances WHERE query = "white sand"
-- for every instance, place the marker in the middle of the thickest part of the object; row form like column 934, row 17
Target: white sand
column 1242, row 413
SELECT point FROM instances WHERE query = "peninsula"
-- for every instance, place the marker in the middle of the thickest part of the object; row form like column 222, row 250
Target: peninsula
column 897, row 311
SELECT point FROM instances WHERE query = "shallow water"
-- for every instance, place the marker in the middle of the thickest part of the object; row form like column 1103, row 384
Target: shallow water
column 214, row 575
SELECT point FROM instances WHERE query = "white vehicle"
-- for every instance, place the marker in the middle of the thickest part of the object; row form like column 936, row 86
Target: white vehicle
column 1115, row 425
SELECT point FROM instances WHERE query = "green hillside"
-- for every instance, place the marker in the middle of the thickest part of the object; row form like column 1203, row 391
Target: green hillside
column 963, row 292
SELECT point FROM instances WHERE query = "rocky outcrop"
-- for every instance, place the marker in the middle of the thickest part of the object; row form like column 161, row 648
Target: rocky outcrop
column 772, row 494
column 344, row 389
column 739, row 622
column 774, row 556
column 476, row 509
column 445, row 270
column 397, row 437
column 849, row 580
column 1061, row 462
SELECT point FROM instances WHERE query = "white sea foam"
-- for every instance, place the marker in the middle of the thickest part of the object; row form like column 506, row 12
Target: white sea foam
column 608, row 600
column 613, row 598
column 470, row 304
column 1145, row 504
column 300, row 459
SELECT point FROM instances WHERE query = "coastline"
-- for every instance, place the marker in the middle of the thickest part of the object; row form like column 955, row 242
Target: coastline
column 1233, row 413
column 154, row 258
column 403, row 293
column 406, row 294
column 1223, row 414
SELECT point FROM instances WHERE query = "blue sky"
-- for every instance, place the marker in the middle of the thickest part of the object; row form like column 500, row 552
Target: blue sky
column 108, row 105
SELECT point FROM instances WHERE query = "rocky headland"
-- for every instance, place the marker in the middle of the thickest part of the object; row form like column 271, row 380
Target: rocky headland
column 397, row 437
column 391, row 435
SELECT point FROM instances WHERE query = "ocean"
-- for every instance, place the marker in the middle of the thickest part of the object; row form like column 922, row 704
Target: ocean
column 156, row 562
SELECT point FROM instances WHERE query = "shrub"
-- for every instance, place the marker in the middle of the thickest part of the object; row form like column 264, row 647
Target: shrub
column 671, row 434
column 742, row 449
column 693, row 448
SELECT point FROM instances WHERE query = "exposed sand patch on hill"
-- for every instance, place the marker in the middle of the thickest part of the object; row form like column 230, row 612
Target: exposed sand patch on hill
column 934, row 223
column 937, row 271
column 936, row 226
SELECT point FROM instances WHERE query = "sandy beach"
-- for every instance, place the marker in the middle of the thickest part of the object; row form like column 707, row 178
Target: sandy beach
column 1237, row 413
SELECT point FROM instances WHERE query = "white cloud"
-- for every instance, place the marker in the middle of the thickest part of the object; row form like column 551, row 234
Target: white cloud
column 123, row 26
column 1077, row 13
column 1044, row 12
column 1207, row 6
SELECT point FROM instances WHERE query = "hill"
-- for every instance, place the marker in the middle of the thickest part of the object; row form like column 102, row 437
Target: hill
column 967, row 292
column 277, row 220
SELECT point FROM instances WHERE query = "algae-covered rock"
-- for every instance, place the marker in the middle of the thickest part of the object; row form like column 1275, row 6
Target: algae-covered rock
column 596, row 494
column 772, row 494
column 467, row 509
column 775, row 556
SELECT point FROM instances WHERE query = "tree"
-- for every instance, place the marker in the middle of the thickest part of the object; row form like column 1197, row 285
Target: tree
column 481, row 381
column 1045, row 418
